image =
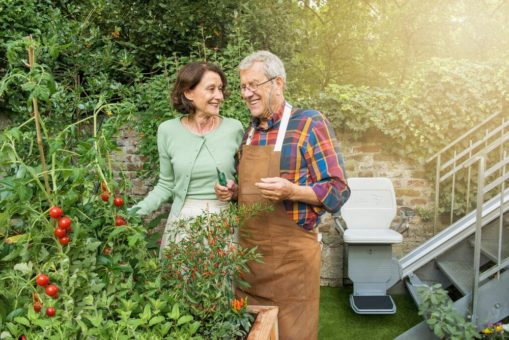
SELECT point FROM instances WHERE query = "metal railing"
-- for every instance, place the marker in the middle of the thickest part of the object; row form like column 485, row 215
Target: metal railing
column 486, row 184
column 455, row 160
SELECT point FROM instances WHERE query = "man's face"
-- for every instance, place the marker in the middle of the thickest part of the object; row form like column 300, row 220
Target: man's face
column 257, row 97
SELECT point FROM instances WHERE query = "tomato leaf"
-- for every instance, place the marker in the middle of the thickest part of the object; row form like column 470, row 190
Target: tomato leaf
column 25, row 268
column 22, row 320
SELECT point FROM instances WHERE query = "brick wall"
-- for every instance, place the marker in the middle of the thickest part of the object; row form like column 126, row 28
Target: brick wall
column 364, row 158
column 4, row 121
column 128, row 159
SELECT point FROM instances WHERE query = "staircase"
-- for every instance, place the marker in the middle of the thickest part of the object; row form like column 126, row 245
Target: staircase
column 469, row 258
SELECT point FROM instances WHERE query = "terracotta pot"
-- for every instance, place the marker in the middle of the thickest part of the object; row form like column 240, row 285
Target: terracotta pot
column 265, row 324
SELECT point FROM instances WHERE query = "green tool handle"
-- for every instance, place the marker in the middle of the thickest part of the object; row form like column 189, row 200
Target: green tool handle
column 221, row 177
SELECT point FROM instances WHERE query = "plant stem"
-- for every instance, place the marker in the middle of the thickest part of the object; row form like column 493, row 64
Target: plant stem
column 31, row 60
column 53, row 178
column 28, row 121
column 96, row 145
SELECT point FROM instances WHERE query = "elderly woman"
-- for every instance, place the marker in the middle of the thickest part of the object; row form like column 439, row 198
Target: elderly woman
column 192, row 147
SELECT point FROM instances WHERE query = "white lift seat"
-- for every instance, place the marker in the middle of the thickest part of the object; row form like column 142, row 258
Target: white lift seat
column 368, row 215
column 369, row 211
column 372, row 236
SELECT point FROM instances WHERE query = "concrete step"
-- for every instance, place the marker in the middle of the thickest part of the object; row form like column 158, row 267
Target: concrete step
column 461, row 274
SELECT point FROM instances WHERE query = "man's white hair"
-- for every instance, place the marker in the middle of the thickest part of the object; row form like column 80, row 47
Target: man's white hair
column 272, row 65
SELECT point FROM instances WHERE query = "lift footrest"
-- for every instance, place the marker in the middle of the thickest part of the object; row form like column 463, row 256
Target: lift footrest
column 378, row 304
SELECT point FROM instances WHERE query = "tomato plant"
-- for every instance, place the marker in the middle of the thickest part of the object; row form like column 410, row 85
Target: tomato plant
column 59, row 232
column 64, row 240
column 42, row 280
column 105, row 196
column 110, row 283
column 51, row 311
column 37, row 307
column 51, row 290
column 55, row 212
column 119, row 221
column 64, row 222
column 118, row 201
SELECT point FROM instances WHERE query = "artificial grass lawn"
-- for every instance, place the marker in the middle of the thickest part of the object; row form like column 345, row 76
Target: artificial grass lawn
column 339, row 321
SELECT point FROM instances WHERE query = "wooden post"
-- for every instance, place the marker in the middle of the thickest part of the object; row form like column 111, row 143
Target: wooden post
column 31, row 63
column 265, row 326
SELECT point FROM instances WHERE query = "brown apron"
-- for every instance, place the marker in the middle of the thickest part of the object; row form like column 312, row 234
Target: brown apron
column 289, row 276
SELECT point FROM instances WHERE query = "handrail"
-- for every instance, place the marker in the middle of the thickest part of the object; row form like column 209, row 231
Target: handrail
column 450, row 163
column 457, row 140
column 475, row 145
column 497, row 166
column 474, row 157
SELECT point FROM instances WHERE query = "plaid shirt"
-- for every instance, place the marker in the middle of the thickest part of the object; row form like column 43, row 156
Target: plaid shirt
column 310, row 157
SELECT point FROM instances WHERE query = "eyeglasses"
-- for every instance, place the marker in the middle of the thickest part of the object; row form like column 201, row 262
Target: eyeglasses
column 253, row 87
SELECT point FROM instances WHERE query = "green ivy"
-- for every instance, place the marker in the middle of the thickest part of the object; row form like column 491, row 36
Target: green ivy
column 441, row 100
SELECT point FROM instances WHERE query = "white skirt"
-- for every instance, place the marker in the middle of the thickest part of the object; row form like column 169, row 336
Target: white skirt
column 191, row 208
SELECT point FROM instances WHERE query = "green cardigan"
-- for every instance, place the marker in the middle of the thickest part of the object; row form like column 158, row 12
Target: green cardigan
column 188, row 163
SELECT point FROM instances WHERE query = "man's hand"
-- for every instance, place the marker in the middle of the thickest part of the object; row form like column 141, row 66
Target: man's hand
column 226, row 193
column 276, row 188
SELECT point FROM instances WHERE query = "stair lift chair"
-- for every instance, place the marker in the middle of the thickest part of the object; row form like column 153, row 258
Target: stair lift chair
column 368, row 215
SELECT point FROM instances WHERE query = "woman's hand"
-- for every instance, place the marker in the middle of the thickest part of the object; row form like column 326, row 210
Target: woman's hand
column 226, row 193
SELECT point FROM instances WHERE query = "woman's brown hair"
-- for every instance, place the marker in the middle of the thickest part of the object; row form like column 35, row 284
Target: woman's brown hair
column 188, row 77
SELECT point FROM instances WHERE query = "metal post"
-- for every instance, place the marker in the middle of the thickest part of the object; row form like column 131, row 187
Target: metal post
column 437, row 192
column 501, row 220
column 478, row 230
column 469, row 175
column 453, row 188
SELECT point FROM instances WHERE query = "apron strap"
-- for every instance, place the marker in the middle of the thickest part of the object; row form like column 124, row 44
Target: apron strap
column 282, row 127
column 281, row 132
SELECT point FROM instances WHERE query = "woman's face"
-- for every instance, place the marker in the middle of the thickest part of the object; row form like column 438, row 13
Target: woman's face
column 207, row 96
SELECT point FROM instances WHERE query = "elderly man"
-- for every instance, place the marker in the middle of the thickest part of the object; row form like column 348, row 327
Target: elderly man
column 288, row 157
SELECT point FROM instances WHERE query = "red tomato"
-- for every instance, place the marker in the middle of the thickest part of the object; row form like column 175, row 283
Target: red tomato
column 42, row 280
column 118, row 201
column 64, row 222
column 52, row 290
column 22, row 337
column 37, row 307
column 64, row 240
column 105, row 196
column 59, row 232
column 55, row 212
column 119, row 221
column 51, row 311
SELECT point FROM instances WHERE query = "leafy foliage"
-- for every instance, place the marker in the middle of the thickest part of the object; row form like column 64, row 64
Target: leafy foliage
column 439, row 102
column 445, row 321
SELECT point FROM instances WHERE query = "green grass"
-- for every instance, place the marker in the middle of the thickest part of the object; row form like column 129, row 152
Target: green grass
column 339, row 321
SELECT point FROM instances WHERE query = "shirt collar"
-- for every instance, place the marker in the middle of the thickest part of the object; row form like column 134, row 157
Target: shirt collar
column 275, row 119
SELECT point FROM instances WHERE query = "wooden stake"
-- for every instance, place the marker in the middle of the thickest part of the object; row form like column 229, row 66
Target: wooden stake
column 31, row 62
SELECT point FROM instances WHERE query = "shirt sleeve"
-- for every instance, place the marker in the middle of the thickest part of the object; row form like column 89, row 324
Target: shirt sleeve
column 164, row 189
column 324, row 165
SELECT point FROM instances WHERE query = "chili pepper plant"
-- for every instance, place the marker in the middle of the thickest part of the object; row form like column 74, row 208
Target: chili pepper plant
column 204, row 269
